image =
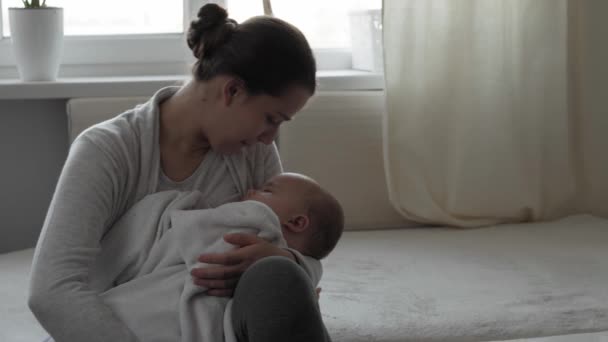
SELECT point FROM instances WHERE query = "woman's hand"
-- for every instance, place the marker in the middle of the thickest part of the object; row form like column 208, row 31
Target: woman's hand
column 221, row 280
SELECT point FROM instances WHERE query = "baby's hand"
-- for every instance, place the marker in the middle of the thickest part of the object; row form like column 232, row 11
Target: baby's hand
column 318, row 291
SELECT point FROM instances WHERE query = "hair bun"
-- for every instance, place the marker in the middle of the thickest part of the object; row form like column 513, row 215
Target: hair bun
column 211, row 15
column 210, row 30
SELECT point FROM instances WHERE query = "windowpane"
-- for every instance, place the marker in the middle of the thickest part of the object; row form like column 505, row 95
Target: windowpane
column 325, row 23
column 113, row 17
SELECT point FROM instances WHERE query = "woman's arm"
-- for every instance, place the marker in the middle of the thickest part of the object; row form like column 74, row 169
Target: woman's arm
column 222, row 280
column 80, row 211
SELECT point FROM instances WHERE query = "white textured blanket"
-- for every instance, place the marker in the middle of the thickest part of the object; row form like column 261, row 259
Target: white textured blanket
column 441, row 284
column 146, row 257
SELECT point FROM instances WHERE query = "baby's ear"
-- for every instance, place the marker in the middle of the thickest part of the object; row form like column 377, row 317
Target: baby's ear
column 298, row 223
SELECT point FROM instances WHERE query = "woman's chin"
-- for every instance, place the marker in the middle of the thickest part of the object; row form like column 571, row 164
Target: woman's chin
column 231, row 149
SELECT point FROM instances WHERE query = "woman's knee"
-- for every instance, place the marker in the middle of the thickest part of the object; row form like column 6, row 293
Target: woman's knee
column 275, row 280
column 275, row 301
column 274, row 270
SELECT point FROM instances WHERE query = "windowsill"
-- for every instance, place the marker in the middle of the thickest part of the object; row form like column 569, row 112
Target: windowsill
column 12, row 89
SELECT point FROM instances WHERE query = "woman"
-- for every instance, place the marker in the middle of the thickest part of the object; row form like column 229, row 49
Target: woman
column 215, row 134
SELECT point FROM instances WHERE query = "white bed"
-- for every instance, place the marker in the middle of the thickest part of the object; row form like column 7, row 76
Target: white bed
column 408, row 284
column 432, row 284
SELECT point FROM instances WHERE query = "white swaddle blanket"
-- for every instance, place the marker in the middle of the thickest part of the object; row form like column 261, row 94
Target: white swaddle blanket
column 143, row 270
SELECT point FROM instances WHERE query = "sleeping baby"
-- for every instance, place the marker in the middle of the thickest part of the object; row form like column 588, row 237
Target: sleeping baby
column 150, row 288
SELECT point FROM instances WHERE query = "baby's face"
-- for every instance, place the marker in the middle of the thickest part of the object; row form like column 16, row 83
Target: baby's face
column 284, row 194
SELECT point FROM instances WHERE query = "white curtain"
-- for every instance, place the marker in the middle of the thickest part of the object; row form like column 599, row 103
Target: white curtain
column 497, row 110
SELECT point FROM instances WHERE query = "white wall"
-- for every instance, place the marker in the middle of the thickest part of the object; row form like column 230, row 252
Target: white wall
column 33, row 147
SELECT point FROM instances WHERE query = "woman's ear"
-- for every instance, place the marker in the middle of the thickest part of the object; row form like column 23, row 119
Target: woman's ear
column 232, row 88
column 297, row 224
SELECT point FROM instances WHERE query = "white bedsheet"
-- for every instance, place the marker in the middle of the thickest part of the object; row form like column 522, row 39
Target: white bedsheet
column 431, row 284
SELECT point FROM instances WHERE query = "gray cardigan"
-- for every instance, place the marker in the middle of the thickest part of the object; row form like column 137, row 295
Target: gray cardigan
column 109, row 168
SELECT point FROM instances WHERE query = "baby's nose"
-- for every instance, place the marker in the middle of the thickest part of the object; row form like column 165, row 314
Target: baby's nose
column 249, row 193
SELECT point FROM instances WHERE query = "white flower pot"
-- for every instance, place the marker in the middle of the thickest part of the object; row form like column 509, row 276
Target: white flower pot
column 37, row 39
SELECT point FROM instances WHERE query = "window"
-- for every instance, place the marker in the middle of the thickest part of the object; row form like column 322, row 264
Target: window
column 112, row 17
column 132, row 37
column 324, row 22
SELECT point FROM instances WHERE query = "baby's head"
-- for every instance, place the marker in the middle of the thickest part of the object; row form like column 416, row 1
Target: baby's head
column 311, row 219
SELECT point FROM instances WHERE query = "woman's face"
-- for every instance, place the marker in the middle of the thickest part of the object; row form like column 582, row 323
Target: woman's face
column 244, row 119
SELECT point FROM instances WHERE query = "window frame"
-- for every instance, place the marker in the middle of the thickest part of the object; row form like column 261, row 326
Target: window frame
column 139, row 55
column 1, row 23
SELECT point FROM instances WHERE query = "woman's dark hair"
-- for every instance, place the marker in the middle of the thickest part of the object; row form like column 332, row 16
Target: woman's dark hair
column 266, row 53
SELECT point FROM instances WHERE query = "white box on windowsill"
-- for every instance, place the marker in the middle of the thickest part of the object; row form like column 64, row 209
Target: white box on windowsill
column 366, row 40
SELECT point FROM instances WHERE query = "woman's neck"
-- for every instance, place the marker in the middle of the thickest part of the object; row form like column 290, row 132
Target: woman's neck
column 180, row 119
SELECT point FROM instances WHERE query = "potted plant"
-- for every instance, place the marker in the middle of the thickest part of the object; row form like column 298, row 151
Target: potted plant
column 37, row 39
